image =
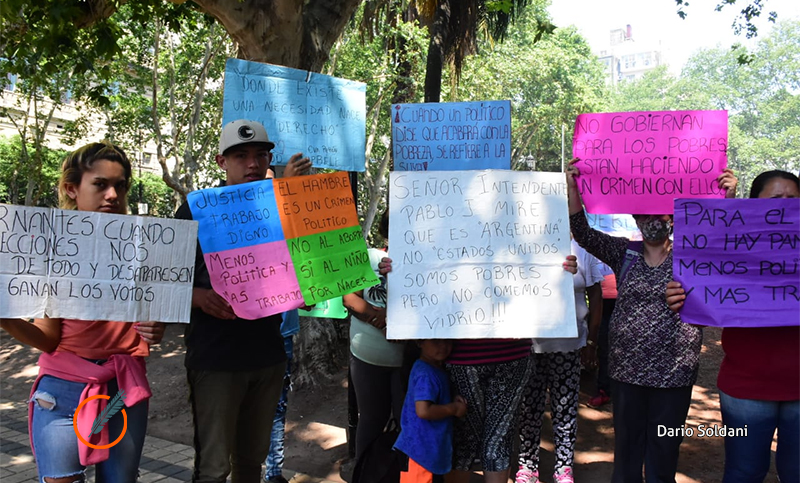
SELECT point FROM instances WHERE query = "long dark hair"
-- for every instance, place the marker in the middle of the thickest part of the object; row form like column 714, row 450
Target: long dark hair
column 762, row 179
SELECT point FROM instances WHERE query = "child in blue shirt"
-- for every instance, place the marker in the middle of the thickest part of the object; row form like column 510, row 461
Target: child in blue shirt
column 426, row 436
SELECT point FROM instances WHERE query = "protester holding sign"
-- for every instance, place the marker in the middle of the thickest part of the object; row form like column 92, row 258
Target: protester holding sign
column 235, row 366
column 653, row 358
column 82, row 359
column 557, row 369
column 374, row 361
column 759, row 379
column 490, row 374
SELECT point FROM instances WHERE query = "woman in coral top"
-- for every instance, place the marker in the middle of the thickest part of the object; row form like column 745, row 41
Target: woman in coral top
column 85, row 358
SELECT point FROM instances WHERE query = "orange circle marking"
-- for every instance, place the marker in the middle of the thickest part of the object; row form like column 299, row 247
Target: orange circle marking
column 75, row 424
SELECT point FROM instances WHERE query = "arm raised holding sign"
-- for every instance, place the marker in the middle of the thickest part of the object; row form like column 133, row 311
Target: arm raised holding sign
column 653, row 356
column 297, row 166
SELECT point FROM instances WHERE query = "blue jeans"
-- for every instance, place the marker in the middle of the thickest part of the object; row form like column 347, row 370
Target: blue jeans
column 56, row 444
column 747, row 458
column 276, row 454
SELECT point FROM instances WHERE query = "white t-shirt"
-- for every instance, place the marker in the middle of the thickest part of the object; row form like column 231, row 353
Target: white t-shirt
column 368, row 343
column 589, row 273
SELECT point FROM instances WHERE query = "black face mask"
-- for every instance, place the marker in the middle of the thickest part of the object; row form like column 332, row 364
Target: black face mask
column 656, row 229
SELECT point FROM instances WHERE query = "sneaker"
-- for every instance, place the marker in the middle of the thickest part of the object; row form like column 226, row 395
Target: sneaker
column 563, row 475
column 600, row 399
column 277, row 479
column 525, row 475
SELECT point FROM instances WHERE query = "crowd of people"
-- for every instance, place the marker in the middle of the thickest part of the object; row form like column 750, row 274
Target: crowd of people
column 460, row 404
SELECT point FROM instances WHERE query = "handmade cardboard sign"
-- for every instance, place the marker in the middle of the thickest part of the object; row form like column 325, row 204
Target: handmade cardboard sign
column 95, row 266
column 276, row 245
column 479, row 254
column 639, row 162
column 451, row 136
column 321, row 116
column 738, row 261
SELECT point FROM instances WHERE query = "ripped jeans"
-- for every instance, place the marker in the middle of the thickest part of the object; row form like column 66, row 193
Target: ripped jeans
column 56, row 444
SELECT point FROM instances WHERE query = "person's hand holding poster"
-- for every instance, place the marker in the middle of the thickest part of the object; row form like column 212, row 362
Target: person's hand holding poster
column 738, row 261
column 639, row 162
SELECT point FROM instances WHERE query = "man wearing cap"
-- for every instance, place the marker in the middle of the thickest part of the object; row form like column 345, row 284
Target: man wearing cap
column 235, row 366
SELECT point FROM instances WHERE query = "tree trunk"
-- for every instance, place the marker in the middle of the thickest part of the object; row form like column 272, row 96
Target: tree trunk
column 320, row 351
column 294, row 34
column 436, row 52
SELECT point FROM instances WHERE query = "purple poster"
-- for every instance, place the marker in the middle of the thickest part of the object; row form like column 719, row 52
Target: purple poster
column 739, row 261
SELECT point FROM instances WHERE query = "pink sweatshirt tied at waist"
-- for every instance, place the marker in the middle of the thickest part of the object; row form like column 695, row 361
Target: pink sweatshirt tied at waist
column 131, row 377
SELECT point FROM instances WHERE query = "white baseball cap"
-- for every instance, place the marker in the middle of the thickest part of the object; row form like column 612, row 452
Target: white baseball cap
column 243, row 132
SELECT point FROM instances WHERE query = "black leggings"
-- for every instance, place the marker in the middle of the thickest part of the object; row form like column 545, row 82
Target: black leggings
column 638, row 413
column 379, row 393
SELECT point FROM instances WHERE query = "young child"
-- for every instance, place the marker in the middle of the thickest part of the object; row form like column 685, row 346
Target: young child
column 426, row 436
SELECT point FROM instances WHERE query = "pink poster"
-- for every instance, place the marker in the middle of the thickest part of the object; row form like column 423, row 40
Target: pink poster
column 639, row 162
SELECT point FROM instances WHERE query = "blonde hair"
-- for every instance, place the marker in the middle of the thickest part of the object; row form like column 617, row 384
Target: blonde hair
column 81, row 160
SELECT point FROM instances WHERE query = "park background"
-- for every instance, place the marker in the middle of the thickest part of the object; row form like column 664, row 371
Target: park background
column 147, row 75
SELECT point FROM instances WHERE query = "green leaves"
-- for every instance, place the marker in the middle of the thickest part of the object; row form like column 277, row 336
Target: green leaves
column 760, row 89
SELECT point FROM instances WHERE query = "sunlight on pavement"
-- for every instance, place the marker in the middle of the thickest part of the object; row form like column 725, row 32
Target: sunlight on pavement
column 593, row 414
column 31, row 370
column 21, row 459
column 325, row 435
column 584, row 457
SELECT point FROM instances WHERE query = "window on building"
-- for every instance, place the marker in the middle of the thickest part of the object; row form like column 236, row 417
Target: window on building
column 66, row 97
column 10, row 82
column 147, row 158
column 630, row 61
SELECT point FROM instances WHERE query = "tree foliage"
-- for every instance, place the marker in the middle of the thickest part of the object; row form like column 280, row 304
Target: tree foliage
column 15, row 176
column 170, row 95
column 153, row 192
column 549, row 81
column 762, row 99
column 384, row 49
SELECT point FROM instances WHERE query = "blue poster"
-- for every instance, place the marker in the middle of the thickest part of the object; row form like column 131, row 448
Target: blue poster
column 451, row 136
column 238, row 216
column 321, row 116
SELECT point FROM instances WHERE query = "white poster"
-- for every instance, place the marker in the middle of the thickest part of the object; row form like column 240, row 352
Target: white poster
column 479, row 254
column 95, row 266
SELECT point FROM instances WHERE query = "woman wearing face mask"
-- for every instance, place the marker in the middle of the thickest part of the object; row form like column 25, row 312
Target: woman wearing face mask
column 653, row 356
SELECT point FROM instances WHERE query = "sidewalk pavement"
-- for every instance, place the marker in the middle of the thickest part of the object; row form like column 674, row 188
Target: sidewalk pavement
column 162, row 461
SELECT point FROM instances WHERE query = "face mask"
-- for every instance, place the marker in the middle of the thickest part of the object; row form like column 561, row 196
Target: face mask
column 655, row 229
